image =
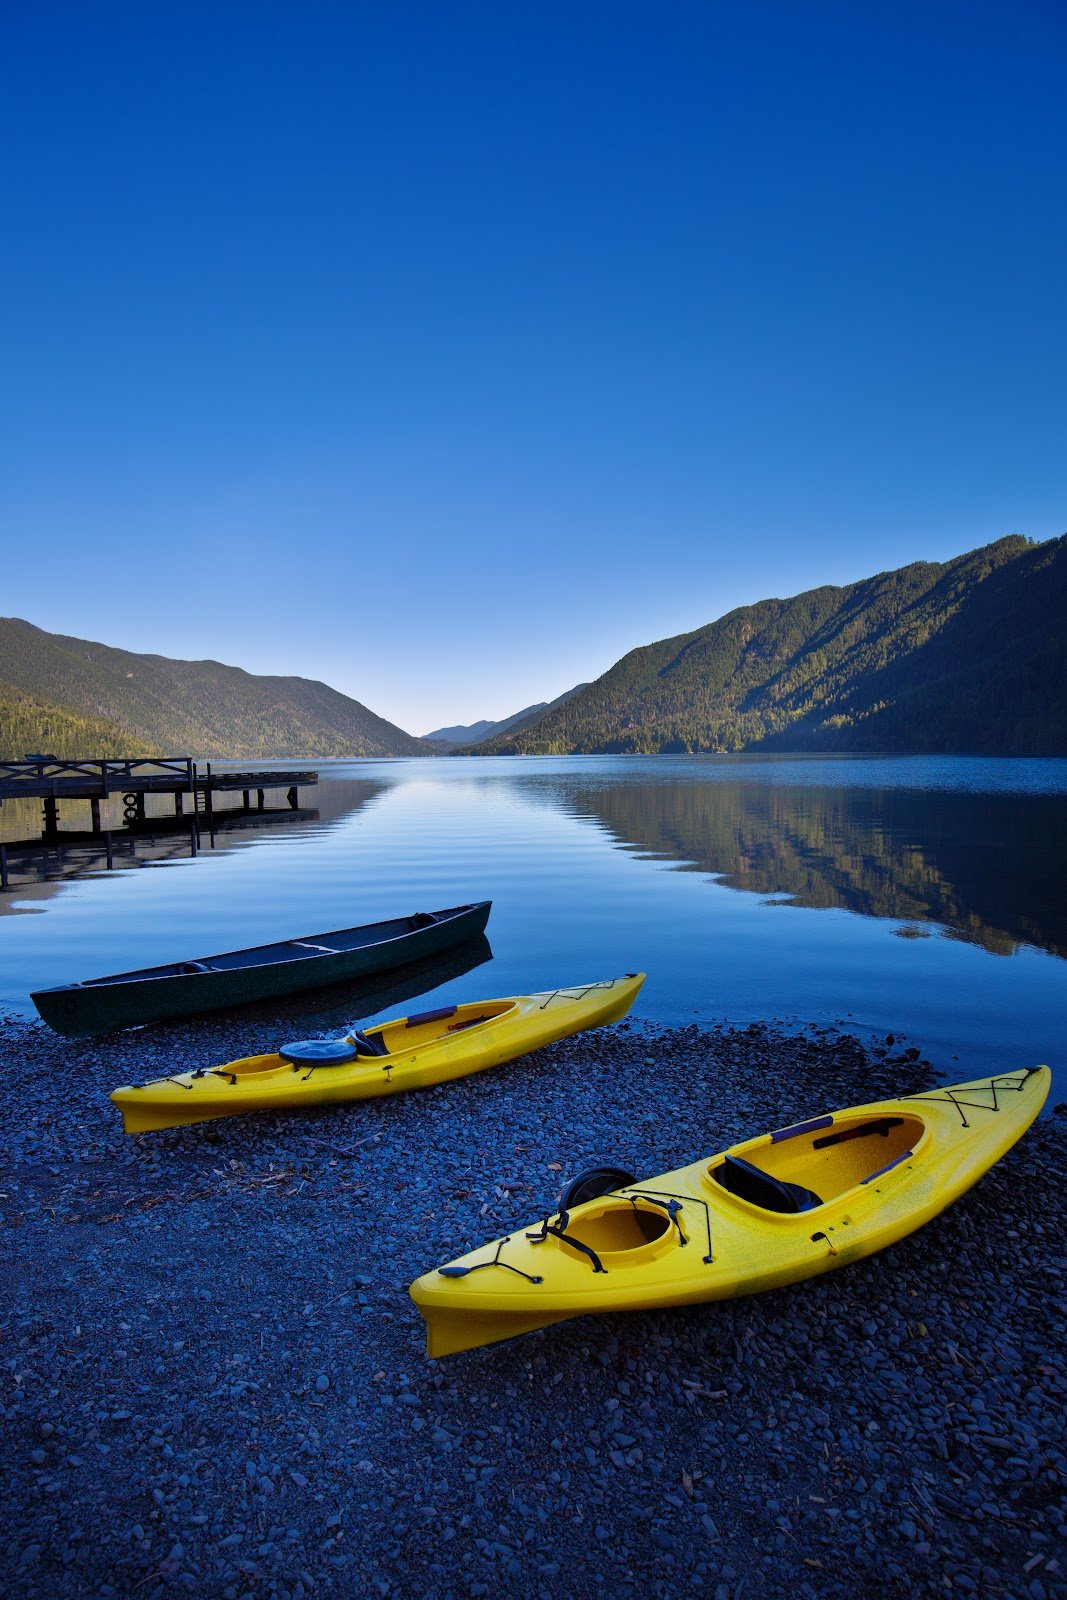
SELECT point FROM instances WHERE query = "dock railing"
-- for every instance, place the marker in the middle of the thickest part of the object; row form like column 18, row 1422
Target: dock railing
column 37, row 775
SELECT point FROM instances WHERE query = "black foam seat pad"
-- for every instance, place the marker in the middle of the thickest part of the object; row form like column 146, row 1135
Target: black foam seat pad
column 368, row 1044
column 760, row 1188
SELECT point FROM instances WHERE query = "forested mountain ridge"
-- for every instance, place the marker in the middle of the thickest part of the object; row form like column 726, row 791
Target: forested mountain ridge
column 29, row 725
column 200, row 708
column 964, row 655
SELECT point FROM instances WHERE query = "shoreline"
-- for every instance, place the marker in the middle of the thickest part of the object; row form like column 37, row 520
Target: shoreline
column 216, row 1382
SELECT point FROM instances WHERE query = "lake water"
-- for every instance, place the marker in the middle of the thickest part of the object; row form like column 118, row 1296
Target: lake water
column 919, row 896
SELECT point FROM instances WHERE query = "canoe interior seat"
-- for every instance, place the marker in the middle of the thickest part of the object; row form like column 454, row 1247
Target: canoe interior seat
column 367, row 1044
column 759, row 1188
column 423, row 919
column 194, row 966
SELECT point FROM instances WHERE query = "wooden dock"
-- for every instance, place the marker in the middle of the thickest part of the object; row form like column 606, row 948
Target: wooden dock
column 188, row 783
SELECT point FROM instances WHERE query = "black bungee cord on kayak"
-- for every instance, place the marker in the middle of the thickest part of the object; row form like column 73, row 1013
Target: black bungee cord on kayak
column 576, row 993
column 677, row 1203
column 672, row 1204
column 462, row 1272
column 558, row 1230
column 201, row 1072
column 1005, row 1082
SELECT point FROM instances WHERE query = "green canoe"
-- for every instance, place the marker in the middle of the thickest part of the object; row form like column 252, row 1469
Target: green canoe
column 154, row 994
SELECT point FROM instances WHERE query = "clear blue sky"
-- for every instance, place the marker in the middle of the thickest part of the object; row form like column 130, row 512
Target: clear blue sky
column 448, row 351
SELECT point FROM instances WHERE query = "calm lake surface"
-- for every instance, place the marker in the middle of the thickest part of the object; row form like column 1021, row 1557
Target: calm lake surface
column 920, row 896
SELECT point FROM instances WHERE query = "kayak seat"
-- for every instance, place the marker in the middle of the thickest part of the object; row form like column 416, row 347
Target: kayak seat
column 318, row 1053
column 759, row 1188
column 367, row 1045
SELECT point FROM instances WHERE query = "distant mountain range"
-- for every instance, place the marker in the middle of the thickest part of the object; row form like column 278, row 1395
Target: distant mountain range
column 71, row 697
column 476, row 732
column 965, row 655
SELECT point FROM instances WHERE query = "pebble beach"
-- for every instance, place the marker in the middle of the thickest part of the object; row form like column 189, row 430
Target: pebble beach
column 215, row 1383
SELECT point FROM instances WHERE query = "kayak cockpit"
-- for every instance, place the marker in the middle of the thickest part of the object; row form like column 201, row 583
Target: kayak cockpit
column 615, row 1227
column 800, row 1168
column 427, row 1027
column 374, row 1048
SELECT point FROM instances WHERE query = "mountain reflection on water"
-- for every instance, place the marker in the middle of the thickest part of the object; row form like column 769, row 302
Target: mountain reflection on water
column 989, row 868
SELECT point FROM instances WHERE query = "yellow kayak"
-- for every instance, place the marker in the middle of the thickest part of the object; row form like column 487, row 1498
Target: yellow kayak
column 408, row 1053
column 768, row 1212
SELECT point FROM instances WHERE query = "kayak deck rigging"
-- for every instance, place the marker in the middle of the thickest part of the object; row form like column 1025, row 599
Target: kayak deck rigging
column 999, row 1083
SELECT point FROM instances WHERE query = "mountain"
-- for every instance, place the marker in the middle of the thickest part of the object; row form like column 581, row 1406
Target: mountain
column 502, row 733
column 32, row 726
column 475, row 732
column 199, row 708
column 964, row 655
column 470, row 733
column 478, row 732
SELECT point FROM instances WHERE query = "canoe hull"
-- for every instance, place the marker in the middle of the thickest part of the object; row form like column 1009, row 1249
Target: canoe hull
column 421, row 1055
column 81, row 1010
column 715, row 1245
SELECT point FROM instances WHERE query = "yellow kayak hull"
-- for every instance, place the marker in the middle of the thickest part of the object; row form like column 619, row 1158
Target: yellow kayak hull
column 422, row 1050
column 870, row 1174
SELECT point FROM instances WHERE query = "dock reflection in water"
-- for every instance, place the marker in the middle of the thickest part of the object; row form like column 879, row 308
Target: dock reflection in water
column 37, row 870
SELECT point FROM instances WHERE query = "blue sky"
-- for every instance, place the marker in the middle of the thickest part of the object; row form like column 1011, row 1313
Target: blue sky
column 446, row 352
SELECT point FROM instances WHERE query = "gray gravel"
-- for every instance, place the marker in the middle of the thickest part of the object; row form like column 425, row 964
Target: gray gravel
column 215, row 1382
